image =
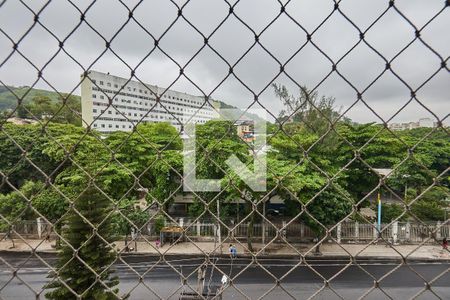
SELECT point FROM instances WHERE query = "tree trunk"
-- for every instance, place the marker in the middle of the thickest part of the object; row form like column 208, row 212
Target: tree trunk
column 59, row 232
column 250, row 231
column 10, row 235
column 126, row 241
column 317, row 250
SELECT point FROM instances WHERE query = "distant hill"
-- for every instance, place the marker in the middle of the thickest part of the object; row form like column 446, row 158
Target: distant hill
column 9, row 101
column 237, row 114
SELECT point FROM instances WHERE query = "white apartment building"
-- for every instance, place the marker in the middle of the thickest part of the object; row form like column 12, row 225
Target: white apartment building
column 423, row 122
column 111, row 103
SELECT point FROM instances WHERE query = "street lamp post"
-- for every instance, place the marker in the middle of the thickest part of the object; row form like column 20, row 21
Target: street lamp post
column 406, row 184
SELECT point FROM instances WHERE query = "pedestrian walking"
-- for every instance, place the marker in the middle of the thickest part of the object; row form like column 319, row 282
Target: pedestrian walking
column 444, row 243
column 233, row 251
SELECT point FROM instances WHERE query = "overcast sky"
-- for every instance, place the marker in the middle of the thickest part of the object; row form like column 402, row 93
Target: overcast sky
column 283, row 38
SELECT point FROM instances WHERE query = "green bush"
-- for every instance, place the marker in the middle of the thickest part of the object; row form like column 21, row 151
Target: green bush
column 428, row 210
column 159, row 223
column 389, row 212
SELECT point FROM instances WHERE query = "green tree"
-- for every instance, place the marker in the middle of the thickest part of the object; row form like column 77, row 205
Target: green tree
column 131, row 217
column 66, row 110
column 391, row 212
column 432, row 205
column 315, row 114
column 24, row 152
column 52, row 205
column 428, row 210
column 152, row 154
column 41, row 107
column 4, row 115
column 373, row 148
column 298, row 173
column 216, row 141
column 159, row 223
column 89, row 231
column 15, row 205
column 22, row 111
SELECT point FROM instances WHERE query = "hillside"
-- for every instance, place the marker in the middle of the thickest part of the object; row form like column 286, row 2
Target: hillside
column 9, row 101
column 233, row 113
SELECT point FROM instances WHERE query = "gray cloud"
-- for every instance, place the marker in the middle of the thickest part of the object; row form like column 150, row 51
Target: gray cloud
column 257, row 69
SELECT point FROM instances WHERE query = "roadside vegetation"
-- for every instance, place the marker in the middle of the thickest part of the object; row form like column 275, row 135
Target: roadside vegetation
column 322, row 166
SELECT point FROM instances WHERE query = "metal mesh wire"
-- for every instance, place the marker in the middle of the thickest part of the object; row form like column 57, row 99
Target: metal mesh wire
column 110, row 158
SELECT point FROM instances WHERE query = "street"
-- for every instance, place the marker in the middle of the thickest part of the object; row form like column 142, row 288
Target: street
column 161, row 279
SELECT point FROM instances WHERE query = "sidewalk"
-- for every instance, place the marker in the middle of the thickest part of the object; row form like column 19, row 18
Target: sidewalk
column 426, row 252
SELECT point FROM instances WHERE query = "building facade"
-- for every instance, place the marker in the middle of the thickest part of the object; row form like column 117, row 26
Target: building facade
column 245, row 130
column 111, row 103
column 424, row 122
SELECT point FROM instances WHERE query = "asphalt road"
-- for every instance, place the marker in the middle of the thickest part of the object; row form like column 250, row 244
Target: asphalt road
column 162, row 279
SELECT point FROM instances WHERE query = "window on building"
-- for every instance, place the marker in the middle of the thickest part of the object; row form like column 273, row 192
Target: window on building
column 102, row 97
column 110, row 125
column 103, row 125
column 116, row 86
column 117, row 126
column 101, row 82
column 109, row 112
column 94, row 96
column 94, row 110
column 108, row 84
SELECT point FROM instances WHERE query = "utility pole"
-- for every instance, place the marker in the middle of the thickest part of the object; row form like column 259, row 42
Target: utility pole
column 219, row 234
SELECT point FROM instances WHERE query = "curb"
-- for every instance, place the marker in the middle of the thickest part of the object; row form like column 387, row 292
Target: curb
column 309, row 257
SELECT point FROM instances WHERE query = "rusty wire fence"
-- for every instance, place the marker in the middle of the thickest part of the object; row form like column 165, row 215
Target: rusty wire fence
column 106, row 163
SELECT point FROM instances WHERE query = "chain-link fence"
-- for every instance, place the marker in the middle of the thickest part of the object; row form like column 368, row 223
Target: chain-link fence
column 113, row 187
